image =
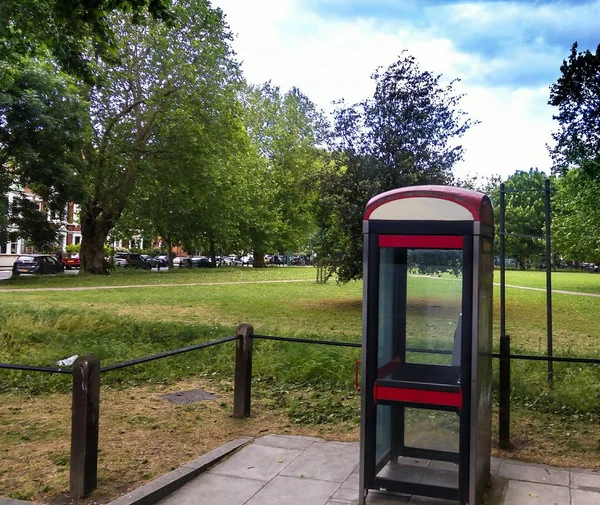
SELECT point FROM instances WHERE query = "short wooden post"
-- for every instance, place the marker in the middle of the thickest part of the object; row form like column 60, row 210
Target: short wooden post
column 243, row 371
column 84, row 426
column 504, row 400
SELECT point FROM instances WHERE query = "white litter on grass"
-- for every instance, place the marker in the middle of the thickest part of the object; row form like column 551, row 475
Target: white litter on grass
column 67, row 361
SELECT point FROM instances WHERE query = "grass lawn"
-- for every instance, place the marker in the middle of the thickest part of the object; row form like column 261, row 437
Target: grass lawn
column 296, row 388
column 564, row 280
column 126, row 277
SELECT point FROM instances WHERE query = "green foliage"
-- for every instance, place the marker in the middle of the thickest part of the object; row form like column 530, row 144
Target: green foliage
column 42, row 131
column 576, row 222
column 576, row 93
column 525, row 214
column 404, row 135
column 73, row 248
column 69, row 28
column 285, row 131
column 33, row 225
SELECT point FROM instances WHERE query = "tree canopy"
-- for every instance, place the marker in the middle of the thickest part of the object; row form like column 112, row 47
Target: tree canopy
column 406, row 134
column 576, row 93
column 525, row 214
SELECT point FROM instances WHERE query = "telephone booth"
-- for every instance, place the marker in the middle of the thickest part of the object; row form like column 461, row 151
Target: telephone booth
column 427, row 344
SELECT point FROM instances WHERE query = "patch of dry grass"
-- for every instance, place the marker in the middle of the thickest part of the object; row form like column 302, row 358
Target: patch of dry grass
column 142, row 436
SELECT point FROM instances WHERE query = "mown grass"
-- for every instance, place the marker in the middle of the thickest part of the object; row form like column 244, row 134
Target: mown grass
column 585, row 282
column 43, row 327
column 125, row 277
column 310, row 386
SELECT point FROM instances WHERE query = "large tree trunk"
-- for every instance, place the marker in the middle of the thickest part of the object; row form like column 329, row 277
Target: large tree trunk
column 259, row 260
column 94, row 232
column 169, row 252
column 213, row 253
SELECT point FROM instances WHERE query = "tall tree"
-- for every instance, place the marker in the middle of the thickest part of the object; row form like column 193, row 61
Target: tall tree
column 575, row 220
column 525, row 214
column 188, row 188
column 576, row 93
column 158, row 67
column 404, row 135
column 43, row 128
column 285, row 130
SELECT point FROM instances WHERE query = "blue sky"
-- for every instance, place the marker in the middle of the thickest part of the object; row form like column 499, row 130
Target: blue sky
column 506, row 53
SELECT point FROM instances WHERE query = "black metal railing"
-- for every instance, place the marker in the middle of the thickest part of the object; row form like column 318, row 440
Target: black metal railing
column 86, row 372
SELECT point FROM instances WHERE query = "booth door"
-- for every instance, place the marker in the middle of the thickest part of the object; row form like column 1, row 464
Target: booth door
column 419, row 332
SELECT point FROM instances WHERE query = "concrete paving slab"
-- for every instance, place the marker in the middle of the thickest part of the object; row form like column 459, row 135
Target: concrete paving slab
column 443, row 465
column 379, row 498
column 531, row 493
column 401, row 472
column 215, row 489
column 581, row 497
column 495, row 493
column 537, row 473
column 351, row 482
column 585, row 478
column 258, row 462
column 294, row 491
column 446, row 478
column 346, row 494
column 424, row 500
column 298, row 443
column 494, row 465
column 325, row 461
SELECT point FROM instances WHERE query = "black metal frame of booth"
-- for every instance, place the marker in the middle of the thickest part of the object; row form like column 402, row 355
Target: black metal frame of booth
column 403, row 385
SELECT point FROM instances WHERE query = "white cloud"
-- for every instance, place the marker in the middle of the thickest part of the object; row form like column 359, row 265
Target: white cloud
column 329, row 59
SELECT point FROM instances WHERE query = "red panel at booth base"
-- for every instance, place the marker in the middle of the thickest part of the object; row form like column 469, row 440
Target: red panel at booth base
column 418, row 396
column 422, row 241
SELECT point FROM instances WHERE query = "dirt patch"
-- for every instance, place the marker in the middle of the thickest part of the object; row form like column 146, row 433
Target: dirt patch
column 353, row 305
column 142, row 436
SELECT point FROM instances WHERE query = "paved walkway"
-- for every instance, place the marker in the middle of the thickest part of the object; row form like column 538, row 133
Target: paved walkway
column 288, row 470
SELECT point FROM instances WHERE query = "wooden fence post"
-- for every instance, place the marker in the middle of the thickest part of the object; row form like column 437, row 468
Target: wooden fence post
column 504, row 390
column 243, row 371
column 84, row 426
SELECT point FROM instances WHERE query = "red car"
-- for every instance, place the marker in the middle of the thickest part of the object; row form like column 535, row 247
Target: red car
column 70, row 261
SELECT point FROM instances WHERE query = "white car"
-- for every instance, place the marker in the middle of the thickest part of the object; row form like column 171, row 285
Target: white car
column 181, row 262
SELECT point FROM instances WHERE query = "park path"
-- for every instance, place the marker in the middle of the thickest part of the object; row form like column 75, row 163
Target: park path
column 235, row 283
column 162, row 285
column 514, row 286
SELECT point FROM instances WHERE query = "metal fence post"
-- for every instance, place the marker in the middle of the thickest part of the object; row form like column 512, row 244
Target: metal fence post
column 504, row 400
column 84, row 426
column 548, row 280
column 243, row 371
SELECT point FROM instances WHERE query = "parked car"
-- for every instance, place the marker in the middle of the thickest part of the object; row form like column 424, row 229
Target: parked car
column 231, row 261
column 131, row 260
column 277, row 260
column 200, row 262
column 182, row 262
column 71, row 261
column 161, row 260
column 247, row 260
column 37, row 264
column 149, row 259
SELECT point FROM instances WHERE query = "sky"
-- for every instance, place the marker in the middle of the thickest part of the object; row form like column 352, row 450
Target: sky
column 506, row 54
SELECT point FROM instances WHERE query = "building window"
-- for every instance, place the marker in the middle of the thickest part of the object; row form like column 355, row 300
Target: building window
column 77, row 239
column 13, row 247
column 3, row 248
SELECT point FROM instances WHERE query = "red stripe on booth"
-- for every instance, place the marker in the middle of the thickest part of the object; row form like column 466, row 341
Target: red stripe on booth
column 418, row 396
column 422, row 241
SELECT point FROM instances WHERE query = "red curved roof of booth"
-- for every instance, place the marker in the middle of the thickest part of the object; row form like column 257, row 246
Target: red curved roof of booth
column 476, row 203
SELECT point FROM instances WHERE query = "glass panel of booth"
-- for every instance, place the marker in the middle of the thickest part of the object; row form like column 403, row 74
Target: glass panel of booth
column 420, row 305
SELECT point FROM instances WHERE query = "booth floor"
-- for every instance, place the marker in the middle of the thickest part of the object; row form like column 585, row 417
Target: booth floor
column 289, row 470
